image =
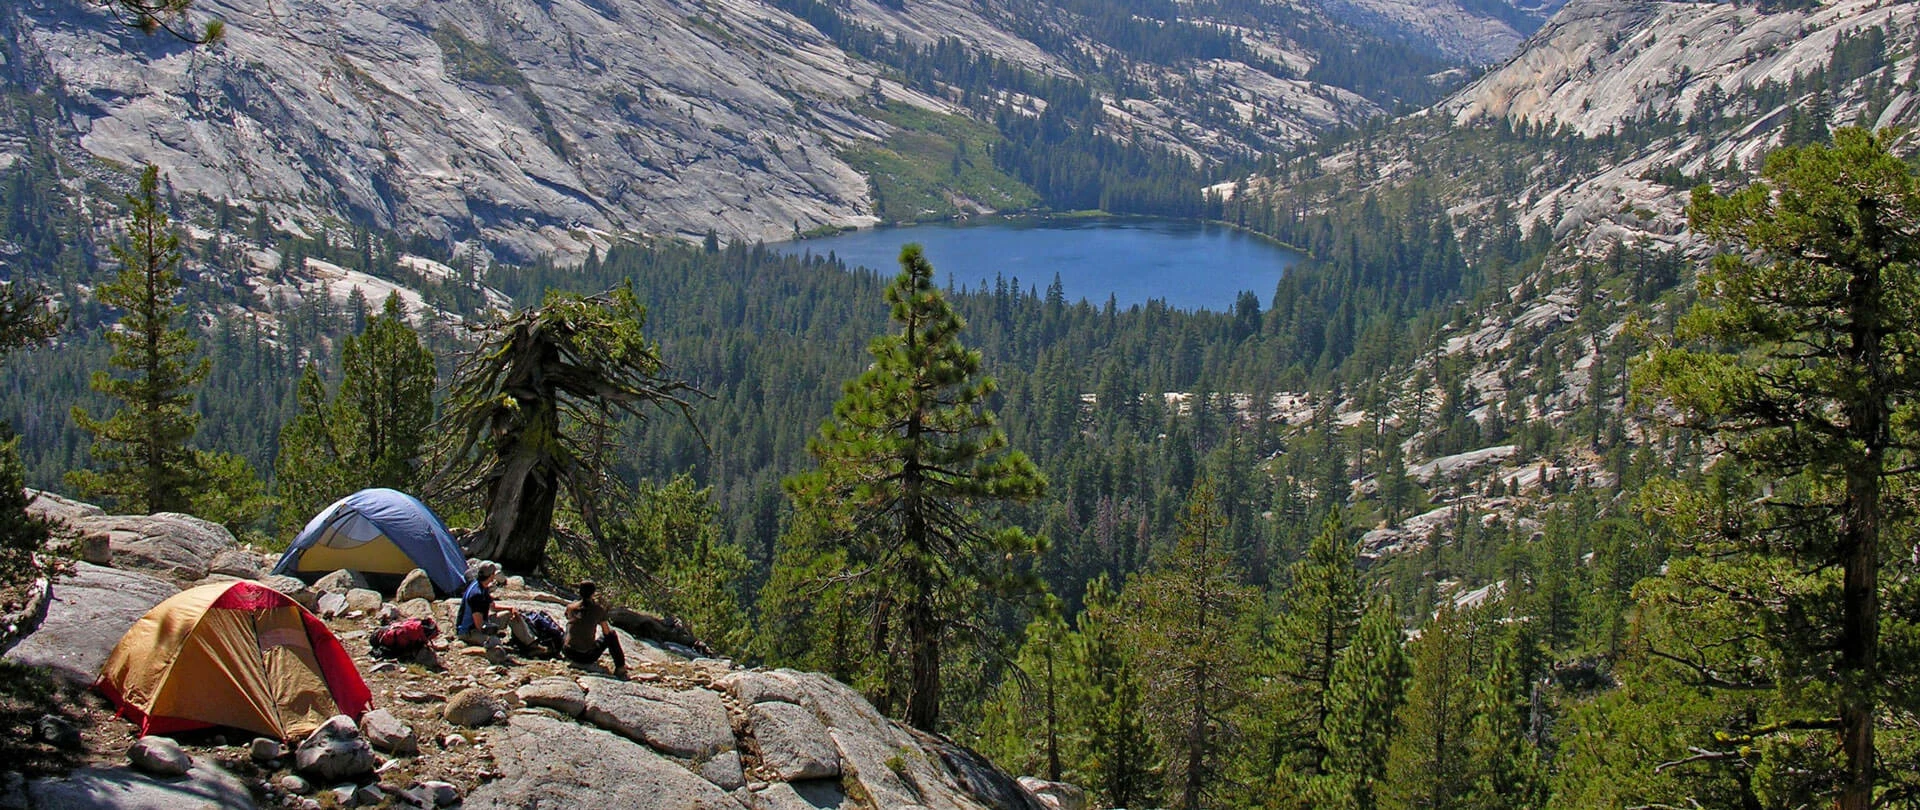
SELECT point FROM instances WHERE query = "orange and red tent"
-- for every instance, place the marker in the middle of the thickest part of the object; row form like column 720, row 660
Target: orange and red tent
column 235, row 654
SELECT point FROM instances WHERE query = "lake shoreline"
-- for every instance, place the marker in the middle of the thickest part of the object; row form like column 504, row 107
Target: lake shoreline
column 1187, row 264
column 1033, row 215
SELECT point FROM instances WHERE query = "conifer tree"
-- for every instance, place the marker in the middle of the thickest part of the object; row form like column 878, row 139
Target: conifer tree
column 528, row 416
column 1804, row 358
column 1369, row 684
column 146, row 465
column 1122, row 765
column 24, row 321
column 1317, row 616
column 1427, row 761
column 387, row 385
column 1503, row 759
column 906, row 466
column 1192, row 636
column 311, row 468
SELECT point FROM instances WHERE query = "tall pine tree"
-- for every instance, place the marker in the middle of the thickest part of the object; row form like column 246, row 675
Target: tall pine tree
column 145, row 464
column 906, row 468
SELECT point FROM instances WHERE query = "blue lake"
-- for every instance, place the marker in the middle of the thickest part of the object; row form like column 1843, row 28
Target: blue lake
column 1189, row 265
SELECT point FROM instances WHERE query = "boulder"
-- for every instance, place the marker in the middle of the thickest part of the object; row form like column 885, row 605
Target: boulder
column 236, row 563
column 94, row 547
column 690, row 723
column 563, row 695
column 416, row 585
column 385, row 732
column 474, row 707
column 331, row 604
column 546, row 762
column 294, row 588
column 340, row 582
column 170, row 545
column 88, row 613
column 159, row 756
column 821, row 795
column 1056, row 795
column 334, row 752
column 416, row 609
column 205, row 786
column 365, row 600
column 793, row 743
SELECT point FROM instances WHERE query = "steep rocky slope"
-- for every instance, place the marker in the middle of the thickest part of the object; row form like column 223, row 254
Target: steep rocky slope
column 550, row 127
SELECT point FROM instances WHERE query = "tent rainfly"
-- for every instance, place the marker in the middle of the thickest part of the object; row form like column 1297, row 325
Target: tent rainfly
column 233, row 654
column 378, row 532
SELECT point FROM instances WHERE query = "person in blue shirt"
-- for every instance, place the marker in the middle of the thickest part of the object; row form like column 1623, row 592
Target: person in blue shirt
column 477, row 607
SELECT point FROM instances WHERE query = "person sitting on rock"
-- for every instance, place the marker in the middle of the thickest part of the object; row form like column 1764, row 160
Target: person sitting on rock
column 477, row 608
column 589, row 635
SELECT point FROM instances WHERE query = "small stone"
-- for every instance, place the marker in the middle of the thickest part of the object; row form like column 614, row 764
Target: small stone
column 724, row 771
column 295, row 785
column 412, row 696
column 416, row 585
column 453, row 741
column 159, row 756
column 387, row 733
column 369, row 795
column 384, row 666
column 335, row 751
column 54, row 730
column 414, row 609
column 363, row 599
column 474, row 707
column 387, row 614
column 443, row 794
column 343, row 795
column 266, row 749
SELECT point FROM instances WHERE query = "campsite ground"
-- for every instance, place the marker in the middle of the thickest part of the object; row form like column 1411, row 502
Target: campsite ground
column 414, row 693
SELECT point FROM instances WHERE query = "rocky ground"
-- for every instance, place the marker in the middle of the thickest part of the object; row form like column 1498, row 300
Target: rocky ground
column 463, row 725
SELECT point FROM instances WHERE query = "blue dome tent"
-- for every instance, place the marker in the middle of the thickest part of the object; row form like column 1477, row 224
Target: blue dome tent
column 377, row 532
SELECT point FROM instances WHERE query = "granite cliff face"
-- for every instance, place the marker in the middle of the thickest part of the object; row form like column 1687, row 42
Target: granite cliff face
column 548, row 126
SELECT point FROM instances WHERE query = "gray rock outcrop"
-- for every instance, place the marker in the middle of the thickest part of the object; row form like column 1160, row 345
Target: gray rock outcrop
column 690, row 723
column 206, row 785
column 546, row 762
column 793, row 744
column 89, row 611
column 177, row 547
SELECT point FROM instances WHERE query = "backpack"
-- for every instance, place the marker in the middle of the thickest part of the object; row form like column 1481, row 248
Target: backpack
column 548, row 636
column 402, row 639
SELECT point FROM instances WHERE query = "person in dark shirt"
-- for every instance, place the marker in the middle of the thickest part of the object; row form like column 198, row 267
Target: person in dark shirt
column 589, row 634
column 477, row 607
